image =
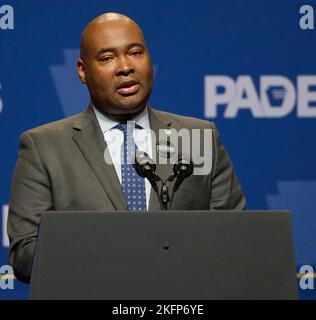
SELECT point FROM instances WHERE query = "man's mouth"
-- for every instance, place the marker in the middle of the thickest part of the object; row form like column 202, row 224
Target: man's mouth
column 128, row 87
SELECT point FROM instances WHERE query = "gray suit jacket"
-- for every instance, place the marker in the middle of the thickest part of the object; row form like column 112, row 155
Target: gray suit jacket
column 61, row 167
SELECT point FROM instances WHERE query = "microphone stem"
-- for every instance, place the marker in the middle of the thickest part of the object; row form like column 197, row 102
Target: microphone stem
column 164, row 194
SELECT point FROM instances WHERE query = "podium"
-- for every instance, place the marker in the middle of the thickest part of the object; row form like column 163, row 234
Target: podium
column 175, row 255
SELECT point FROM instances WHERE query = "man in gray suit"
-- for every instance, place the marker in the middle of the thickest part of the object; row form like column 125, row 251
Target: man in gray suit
column 61, row 165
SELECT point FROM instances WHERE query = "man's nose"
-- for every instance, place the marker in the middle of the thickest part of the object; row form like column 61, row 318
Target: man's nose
column 124, row 67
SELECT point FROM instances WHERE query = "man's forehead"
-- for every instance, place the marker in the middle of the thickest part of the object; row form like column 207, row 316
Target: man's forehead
column 113, row 33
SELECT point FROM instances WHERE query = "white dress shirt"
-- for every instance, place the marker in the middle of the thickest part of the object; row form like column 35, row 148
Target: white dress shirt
column 114, row 139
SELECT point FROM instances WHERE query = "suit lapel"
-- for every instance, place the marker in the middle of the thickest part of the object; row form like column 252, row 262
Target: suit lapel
column 90, row 140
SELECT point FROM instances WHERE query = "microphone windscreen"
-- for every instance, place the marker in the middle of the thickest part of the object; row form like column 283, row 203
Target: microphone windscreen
column 183, row 166
column 142, row 158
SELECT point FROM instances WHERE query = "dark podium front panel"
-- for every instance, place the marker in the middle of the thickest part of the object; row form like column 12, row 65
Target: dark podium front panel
column 161, row 256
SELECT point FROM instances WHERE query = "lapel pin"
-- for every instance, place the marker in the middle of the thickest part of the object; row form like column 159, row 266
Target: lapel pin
column 165, row 149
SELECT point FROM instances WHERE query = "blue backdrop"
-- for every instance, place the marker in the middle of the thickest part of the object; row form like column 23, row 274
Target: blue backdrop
column 249, row 66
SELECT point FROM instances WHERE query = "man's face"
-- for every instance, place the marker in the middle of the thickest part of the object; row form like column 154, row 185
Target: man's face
column 116, row 67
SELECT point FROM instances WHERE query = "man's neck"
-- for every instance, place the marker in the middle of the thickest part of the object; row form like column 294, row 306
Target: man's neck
column 121, row 117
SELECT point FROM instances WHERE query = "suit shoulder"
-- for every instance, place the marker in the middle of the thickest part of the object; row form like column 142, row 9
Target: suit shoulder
column 185, row 121
column 60, row 127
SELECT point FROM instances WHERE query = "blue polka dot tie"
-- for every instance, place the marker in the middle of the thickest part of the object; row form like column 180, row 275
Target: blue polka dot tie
column 133, row 184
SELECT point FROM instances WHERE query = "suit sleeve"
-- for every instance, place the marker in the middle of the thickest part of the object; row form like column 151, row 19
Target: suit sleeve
column 30, row 195
column 226, row 192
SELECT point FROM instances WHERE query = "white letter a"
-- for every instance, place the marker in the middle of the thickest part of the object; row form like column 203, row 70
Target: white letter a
column 307, row 20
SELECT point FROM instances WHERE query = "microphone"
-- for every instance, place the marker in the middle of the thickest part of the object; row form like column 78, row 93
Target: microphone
column 182, row 170
column 146, row 168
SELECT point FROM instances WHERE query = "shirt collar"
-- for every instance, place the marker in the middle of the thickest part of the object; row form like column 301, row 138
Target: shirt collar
column 107, row 124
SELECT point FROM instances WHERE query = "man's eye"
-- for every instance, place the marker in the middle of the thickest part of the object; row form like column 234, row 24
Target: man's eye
column 106, row 59
column 136, row 53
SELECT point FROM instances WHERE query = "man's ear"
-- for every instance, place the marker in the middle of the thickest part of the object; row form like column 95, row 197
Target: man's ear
column 81, row 70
